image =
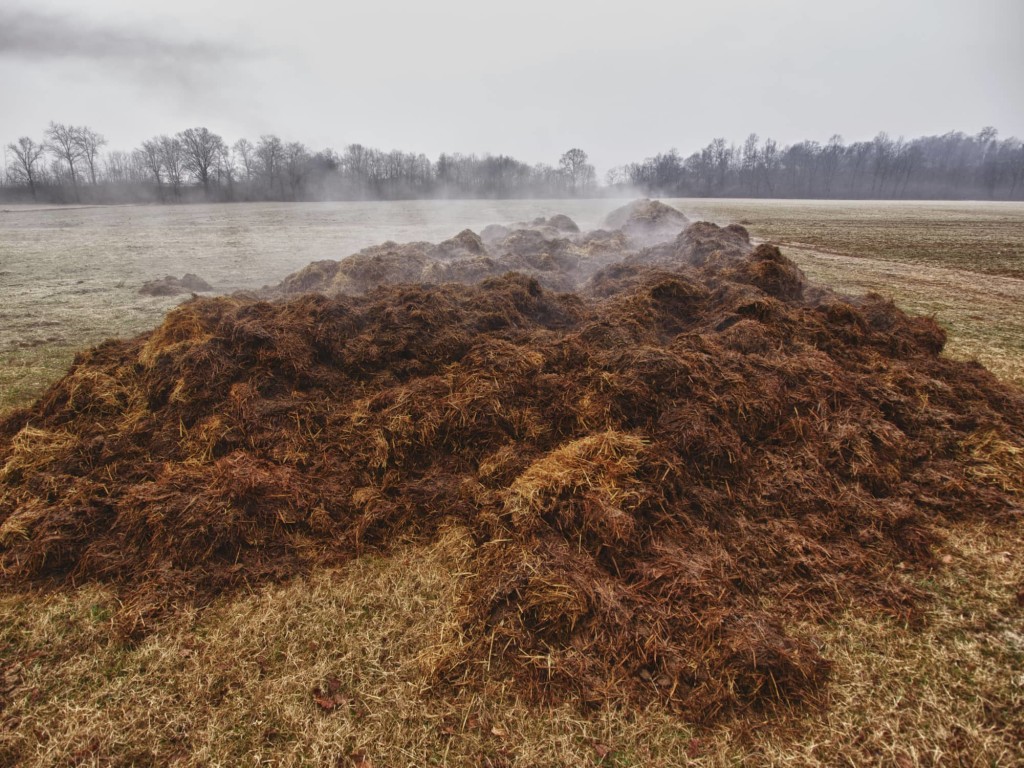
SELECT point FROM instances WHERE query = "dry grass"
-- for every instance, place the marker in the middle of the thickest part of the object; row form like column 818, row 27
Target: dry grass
column 26, row 372
column 237, row 684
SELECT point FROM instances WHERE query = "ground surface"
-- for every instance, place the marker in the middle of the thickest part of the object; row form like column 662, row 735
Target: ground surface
column 234, row 684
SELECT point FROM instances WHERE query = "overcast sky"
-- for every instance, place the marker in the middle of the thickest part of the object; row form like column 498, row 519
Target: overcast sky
column 530, row 78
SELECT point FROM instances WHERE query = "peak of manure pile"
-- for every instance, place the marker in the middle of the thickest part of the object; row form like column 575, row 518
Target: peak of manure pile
column 663, row 472
column 646, row 222
column 552, row 251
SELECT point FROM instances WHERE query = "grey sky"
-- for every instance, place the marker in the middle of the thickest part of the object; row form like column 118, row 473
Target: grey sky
column 531, row 78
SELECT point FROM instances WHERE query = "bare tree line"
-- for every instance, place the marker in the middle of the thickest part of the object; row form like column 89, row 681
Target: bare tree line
column 70, row 165
column 949, row 167
column 67, row 166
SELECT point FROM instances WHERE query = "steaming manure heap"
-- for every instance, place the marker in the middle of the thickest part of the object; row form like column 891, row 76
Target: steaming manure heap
column 174, row 286
column 669, row 450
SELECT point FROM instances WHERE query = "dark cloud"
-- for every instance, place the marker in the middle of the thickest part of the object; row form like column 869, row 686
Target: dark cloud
column 197, row 74
column 33, row 36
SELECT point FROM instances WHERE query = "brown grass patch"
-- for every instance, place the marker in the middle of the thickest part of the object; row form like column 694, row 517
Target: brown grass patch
column 238, row 682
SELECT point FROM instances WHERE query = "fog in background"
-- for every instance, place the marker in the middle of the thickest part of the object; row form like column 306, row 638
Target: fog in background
column 528, row 79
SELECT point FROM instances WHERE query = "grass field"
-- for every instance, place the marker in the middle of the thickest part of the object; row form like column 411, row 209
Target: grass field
column 234, row 684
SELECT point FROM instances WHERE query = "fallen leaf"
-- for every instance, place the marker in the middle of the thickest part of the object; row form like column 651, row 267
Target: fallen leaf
column 333, row 685
column 324, row 702
column 330, row 696
column 694, row 748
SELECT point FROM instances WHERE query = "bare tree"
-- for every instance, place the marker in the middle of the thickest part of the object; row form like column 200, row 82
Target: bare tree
column 62, row 142
column 1015, row 161
column 749, row 161
column 151, row 158
column 769, row 161
column 991, row 169
column 859, row 152
column 720, row 154
column 269, row 158
column 700, row 166
column 246, row 154
column 27, row 155
column 202, row 152
column 357, row 162
column 833, row 154
column 172, row 158
column 224, row 171
column 89, row 143
column 579, row 173
column 883, row 150
column 121, row 168
column 297, row 164
column 987, row 135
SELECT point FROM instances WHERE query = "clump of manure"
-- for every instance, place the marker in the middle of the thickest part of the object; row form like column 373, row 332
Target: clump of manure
column 175, row 286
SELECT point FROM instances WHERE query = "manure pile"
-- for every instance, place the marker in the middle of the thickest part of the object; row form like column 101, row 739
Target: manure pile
column 663, row 471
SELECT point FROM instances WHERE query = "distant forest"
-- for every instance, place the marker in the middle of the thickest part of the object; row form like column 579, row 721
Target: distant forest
column 70, row 164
